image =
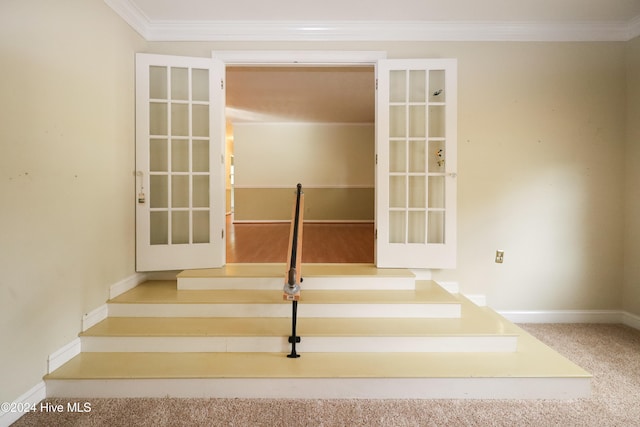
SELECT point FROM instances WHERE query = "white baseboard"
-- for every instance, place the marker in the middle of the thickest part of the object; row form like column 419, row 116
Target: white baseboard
column 560, row 316
column 72, row 349
column 30, row 399
column 631, row 320
column 63, row 355
column 563, row 316
column 479, row 300
column 126, row 284
column 451, row 287
column 421, row 273
column 99, row 314
column 94, row 317
column 573, row 316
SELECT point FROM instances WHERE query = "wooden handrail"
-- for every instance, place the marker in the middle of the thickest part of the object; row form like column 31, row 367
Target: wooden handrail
column 293, row 275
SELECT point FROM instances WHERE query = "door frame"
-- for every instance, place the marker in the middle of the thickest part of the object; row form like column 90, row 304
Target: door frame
column 304, row 58
column 294, row 57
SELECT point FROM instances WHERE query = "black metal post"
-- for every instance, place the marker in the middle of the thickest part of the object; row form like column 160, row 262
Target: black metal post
column 293, row 339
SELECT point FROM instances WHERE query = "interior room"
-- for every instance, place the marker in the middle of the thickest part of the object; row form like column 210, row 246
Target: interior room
column 547, row 168
column 307, row 124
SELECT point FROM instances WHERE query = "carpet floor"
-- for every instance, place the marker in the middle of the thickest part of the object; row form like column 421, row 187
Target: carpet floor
column 610, row 352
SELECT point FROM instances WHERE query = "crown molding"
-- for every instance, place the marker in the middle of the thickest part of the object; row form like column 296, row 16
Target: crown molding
column 373, row 30
column 132, row 15
column 384, row 31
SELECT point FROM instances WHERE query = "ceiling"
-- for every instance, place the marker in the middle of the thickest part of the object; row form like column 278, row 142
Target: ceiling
column 301, row 94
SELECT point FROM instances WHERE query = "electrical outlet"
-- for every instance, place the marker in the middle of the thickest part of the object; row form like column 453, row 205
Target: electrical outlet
column 499, row 257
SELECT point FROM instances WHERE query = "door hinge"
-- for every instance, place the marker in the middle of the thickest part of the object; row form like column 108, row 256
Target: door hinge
column 376, row 84
column 222, row 233
column 375, row 235
column 376, row 159
column 222, row 84
column 222, row 158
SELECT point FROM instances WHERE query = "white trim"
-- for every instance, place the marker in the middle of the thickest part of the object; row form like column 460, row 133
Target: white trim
column 97, row 315
column 313, row 57
column 421, row 273
column 573, row 316
column 370, row 30
column 478, row 299
column 451, row 287
column 30, row 399
column 373, row 30
column 562, row 316
column 329, row 388
column 94, row 317
column 126, row 284
column 630, row 320
column 63, row 355
column 132, row 15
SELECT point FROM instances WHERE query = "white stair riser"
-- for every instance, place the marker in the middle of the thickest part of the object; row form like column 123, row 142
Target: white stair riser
column 445, row 311
column 309, row 283
column 491, row 344
column 327, row 388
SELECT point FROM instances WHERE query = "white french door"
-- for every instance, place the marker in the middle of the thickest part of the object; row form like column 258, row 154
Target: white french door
column 179, row 163
column 180, row 192
column 416, row 163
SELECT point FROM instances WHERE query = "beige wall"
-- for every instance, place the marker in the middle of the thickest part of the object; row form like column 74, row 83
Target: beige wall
column 318, row 155
column 541, row 146
column 333, row 162
column 66, row 175
column 347, row 204
column 631, row 293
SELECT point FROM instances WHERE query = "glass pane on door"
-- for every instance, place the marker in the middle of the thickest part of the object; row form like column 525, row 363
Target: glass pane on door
column 179, row 155
column 436, row 86
column 159, row 227
column 179, row 83
column 200, row 85
column 158, row 82
column 201, row 226
column 416, row 155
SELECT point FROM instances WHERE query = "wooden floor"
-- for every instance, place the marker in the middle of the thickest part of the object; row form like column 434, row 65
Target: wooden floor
column 322, row 242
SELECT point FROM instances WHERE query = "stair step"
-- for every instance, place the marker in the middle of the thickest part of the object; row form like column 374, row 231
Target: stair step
column 162, row 298
column 471, row 334
column 316, row 276
column 534, row 371
column 223, row 333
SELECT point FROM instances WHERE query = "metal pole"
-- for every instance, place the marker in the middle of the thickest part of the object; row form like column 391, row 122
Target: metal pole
column 293, row 339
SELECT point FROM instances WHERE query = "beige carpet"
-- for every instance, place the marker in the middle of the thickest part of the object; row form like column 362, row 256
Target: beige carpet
column 610, row 352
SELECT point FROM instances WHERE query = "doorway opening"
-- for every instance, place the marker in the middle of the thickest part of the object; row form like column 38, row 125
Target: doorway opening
column 300, row 123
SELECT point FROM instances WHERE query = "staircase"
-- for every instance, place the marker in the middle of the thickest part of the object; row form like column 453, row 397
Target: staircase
column 366, row 333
